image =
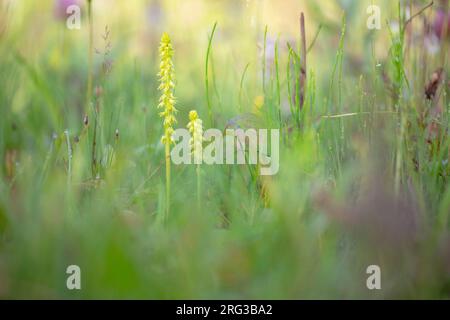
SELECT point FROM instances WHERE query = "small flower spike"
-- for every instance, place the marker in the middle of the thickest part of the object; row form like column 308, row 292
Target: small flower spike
column 195, row 127
column 166, row 79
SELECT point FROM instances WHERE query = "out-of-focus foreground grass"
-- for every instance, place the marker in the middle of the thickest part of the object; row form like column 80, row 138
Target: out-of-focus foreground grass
column 364, row 172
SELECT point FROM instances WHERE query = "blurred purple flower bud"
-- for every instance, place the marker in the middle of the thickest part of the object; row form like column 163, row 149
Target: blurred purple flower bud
column 155, row 14
column 60, row 8
column 439, row 23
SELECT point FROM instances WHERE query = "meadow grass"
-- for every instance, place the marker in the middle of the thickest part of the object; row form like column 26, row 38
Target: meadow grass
column 364, row 152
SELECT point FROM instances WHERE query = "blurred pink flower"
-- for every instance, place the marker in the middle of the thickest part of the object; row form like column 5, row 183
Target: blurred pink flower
column 376, row 214
column 439, row 23
column 155, row 14
column 60, row 8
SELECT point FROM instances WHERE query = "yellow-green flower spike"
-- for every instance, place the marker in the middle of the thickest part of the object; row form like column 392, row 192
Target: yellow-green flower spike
column 167, row 104
column 195, row 127
column 166, row 86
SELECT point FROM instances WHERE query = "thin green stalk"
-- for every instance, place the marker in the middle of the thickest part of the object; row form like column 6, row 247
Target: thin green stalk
column 94, row 148
column 198, row 188
column 399, row 77
column 338, row 60
column 69, row 158
column 167, row 148
column 303, row 67
column 208, row 102
column 264, row 62
column 277, row 74
column 399, row 157
column 288, row 75
column 316, row 35
column 241, row 86
column 90, row 54
column 311, row 96
column 337, row 67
